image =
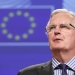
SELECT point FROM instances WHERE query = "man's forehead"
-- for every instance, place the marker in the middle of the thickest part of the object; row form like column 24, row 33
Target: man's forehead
column 56, row 19
column 61, row 23
column 61, row 16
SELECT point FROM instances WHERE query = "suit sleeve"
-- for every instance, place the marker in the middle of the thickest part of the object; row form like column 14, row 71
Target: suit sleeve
column 39, row 69
column 28, row 71
column 19, row 73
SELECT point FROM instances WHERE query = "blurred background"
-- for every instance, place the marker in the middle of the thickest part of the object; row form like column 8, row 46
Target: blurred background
column 23, row 41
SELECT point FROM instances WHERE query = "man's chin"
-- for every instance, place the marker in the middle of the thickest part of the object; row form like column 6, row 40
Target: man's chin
column 57, row 48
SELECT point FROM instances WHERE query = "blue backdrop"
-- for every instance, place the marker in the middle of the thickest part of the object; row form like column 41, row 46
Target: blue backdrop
column 23, row 41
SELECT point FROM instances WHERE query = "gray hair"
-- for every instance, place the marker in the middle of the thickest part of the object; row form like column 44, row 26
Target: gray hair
column 60, row 11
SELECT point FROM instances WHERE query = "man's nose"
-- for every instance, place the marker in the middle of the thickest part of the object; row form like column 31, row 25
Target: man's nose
column 57, row 31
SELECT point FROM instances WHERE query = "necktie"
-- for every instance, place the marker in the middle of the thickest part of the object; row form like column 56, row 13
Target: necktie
column 63, row 67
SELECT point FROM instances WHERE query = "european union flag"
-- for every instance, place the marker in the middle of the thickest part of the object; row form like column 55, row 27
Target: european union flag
column 23, row 25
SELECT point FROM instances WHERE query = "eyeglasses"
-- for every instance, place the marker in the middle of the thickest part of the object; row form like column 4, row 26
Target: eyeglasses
column 72, row 25
column 61, row 26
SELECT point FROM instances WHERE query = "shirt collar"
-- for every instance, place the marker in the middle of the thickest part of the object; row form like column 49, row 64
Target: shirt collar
column 70, row 63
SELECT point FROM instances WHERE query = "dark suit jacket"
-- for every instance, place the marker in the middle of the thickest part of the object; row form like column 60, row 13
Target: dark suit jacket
column 40, row 69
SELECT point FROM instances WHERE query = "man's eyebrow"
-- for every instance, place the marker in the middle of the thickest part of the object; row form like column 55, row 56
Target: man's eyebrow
column 71, row 25
column 52, row 25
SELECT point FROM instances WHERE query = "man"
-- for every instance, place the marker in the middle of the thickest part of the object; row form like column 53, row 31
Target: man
column 61, row 34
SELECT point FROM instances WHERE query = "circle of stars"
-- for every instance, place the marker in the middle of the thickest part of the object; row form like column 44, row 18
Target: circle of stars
column 24, row 35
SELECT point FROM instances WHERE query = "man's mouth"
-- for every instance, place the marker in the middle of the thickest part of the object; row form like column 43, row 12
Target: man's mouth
column 57, row 39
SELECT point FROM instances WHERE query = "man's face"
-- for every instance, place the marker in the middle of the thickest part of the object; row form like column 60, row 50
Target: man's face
column 61, row 35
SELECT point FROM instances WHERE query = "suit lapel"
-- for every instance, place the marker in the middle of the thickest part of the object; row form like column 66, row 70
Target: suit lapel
column 51, row 69
column 46, row 69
